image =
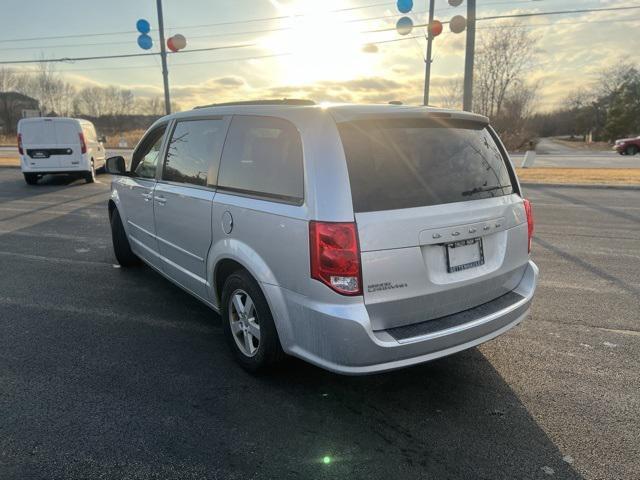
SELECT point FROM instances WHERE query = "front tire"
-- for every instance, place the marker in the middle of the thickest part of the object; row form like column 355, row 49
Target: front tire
column 90, row 176
column 121, row 247
column 631, row 150
column 31, row 178
column 248, row 324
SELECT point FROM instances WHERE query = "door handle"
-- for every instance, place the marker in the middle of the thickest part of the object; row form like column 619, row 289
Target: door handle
column 161, row 200
column 146, row 196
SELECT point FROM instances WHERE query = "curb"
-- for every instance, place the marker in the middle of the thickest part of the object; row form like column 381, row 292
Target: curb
column 582, row 185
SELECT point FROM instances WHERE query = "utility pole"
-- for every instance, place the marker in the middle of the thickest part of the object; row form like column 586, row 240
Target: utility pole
column 427, row 60
column 163, row 56
column 467, row 101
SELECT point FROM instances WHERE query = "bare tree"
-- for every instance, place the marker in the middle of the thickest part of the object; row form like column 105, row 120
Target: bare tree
column 50, row 89
column 154, row 106
column 9, row 80
column 11, row 102
column 104, row 101
column 450, row 93
column 502, row 59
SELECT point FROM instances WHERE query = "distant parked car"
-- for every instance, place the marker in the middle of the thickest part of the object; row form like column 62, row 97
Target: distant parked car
column 627, row 146
column 59, row 145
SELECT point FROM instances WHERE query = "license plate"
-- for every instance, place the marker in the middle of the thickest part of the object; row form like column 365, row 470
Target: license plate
column 464, row 254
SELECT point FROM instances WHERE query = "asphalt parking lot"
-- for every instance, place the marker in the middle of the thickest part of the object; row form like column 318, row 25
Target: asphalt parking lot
column 114, row 373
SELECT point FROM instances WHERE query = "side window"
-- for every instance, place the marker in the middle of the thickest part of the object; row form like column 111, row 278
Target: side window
column 193, row 152
column 263, row 156
column 145, row 158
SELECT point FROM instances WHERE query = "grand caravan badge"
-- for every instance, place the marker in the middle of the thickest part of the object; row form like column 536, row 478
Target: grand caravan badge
column 379, row 287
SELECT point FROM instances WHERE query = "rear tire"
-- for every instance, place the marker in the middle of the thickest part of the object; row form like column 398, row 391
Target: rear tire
column 31, row 178
column 257, row 354
column 90, row 176
column 631, row 150
column 121, row 247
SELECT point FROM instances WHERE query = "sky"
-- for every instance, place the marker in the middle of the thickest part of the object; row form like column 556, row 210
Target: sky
column 326, row 50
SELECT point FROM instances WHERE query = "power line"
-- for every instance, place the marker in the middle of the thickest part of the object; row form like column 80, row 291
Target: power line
column 245, row 45
column 520, row 15
column 224, row 60
column 558, row 12
column 253, row 20
column 235, row 22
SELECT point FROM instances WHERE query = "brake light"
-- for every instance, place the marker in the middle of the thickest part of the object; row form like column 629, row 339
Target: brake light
column 335, row 256
column 20, row 149
column 83, row 144
column 528, row 208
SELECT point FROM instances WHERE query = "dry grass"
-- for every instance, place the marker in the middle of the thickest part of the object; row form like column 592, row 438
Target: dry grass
column 8, row 141
column 9, row 162
column 613, row 176
column 580, row 145
column 131, row 137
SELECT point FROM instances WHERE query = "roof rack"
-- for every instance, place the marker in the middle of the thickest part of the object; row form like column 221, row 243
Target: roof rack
column 284, row 101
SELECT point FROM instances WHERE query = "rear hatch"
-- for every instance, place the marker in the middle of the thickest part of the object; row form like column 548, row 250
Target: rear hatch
column 51, row 144
column 440, row 224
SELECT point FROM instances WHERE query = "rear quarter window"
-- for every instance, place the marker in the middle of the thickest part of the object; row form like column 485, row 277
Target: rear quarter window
column 405, row 163
column 263, row 157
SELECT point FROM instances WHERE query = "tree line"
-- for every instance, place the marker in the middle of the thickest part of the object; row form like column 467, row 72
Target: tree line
column 56, row 96
column 606, row 111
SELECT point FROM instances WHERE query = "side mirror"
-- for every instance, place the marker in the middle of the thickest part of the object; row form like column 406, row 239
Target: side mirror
column 102, row 139
column 116, row 166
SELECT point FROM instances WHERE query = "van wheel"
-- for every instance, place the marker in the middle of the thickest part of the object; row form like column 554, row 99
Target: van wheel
column 631, row 150
column 31, row 178
column 90, row 176
column 248, row 324
column 121, row 246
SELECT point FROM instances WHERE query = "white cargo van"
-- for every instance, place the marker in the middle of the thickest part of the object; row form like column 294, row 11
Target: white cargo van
column 59, row 145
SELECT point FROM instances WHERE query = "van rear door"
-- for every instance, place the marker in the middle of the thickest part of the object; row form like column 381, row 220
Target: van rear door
column 52, row 143
column 440, row 224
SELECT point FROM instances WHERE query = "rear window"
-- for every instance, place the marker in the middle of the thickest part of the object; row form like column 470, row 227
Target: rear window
column 405, row 163
column 49, row 133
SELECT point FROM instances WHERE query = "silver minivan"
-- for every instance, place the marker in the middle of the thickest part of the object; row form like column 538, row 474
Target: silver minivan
column 360, row 238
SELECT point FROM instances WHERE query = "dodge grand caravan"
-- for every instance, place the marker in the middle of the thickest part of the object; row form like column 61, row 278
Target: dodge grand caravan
column 59, row 145
column 358, row 238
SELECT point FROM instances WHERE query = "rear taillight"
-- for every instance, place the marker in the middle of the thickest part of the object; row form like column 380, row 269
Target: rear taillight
column 528, row 208
column 335, row 256
column 20, row 149
column 83, row 144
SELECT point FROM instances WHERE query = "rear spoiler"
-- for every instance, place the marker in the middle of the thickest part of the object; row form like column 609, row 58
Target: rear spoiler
column 416, row 114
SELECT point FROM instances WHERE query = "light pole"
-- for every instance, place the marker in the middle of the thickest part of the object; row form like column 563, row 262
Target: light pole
column 427, row 60
column 467, row 100
column 163, row 56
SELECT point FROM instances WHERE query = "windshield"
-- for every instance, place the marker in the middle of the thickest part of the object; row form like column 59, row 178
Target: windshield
column 404, row 163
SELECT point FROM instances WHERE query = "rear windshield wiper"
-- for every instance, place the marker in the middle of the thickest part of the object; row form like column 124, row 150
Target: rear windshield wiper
column 482, row 189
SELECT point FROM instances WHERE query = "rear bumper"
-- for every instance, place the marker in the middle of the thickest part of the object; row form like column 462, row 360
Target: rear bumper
column 339, row 337
column 82, row 166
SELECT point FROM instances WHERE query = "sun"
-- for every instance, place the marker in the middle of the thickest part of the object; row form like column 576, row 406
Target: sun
column 321, row 43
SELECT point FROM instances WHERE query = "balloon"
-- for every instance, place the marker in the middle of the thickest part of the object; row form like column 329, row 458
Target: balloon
column 170, row 45
column 405, row 6
column 404, row 25
column 455, row 3
column 458, row 24
column 145, row 42
column 370, row 48
column 435, row 28
column 143, row 26
column 179, row 41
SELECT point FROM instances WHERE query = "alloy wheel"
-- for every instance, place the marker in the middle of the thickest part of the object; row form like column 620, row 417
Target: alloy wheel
column 243, row 320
